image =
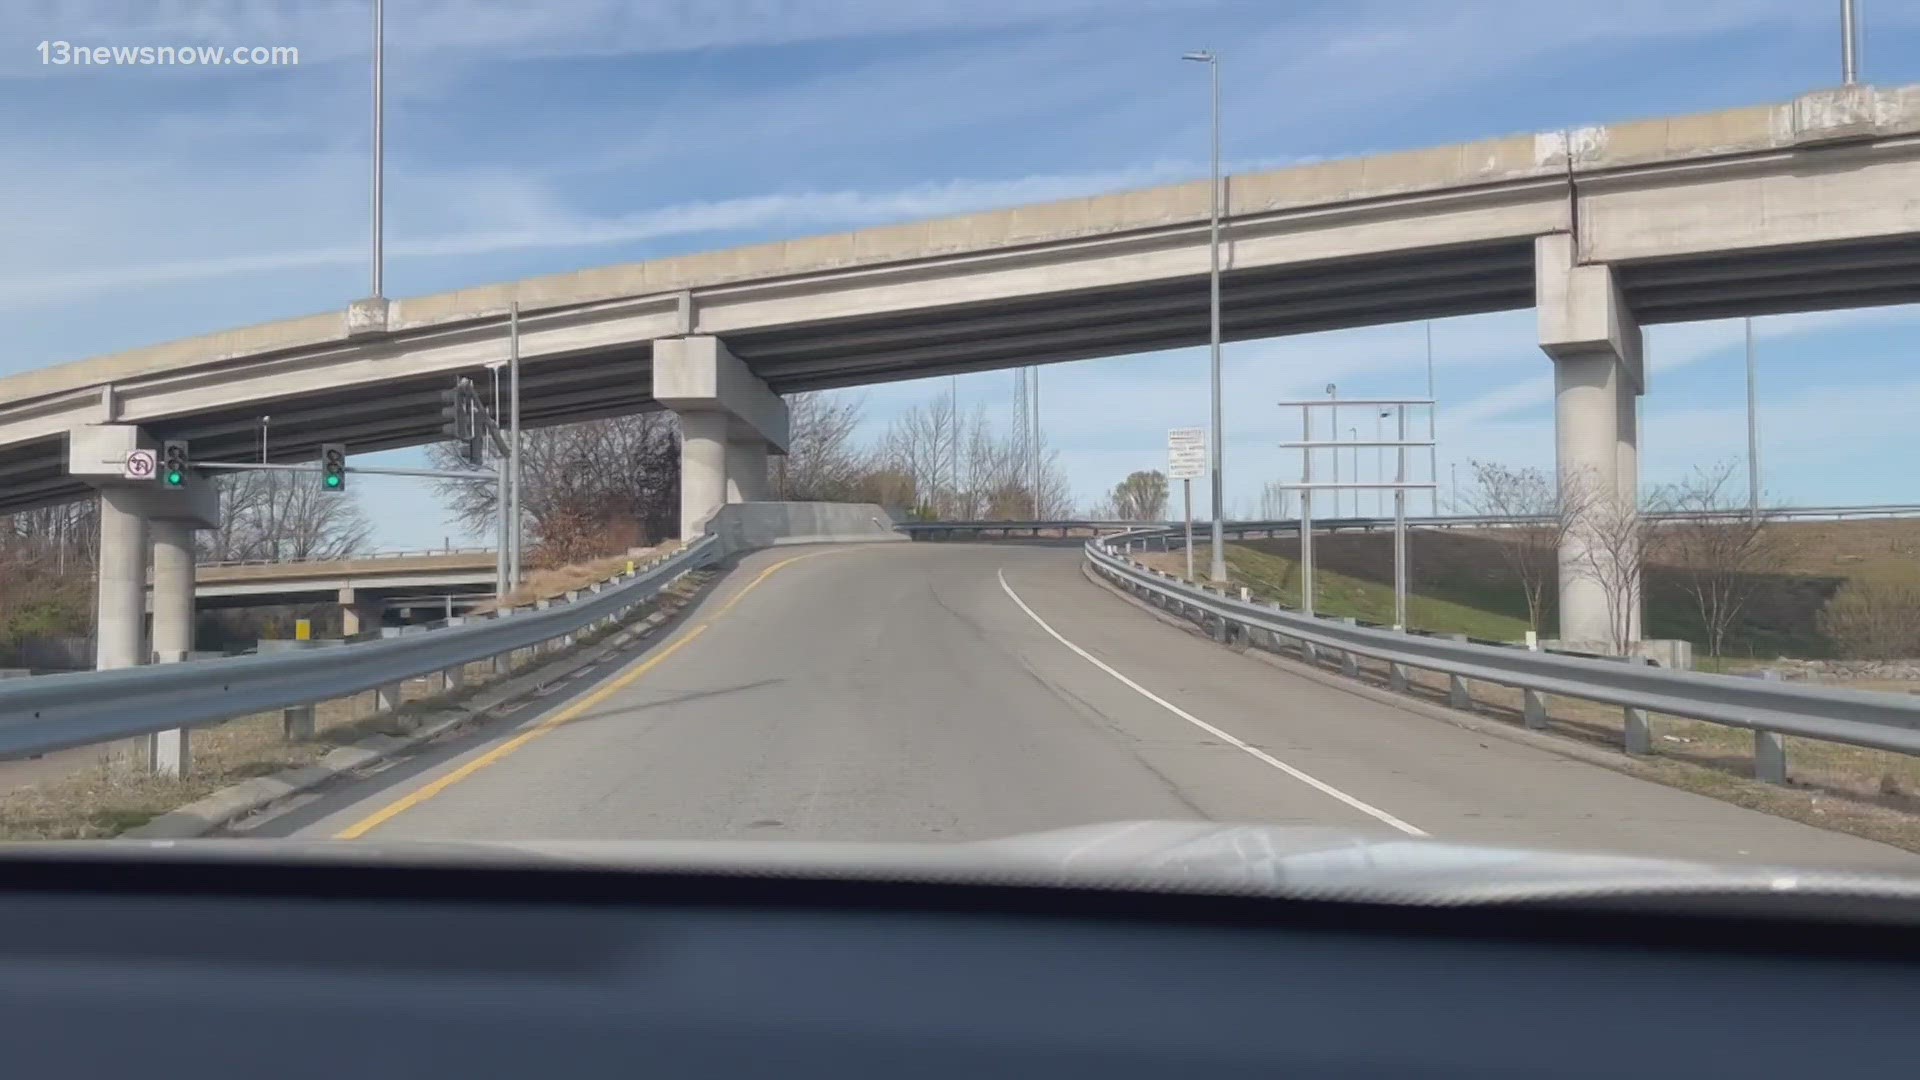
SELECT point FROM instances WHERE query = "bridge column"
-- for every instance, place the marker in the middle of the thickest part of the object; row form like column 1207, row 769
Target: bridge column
column 358, row 614
column 170, row 752
column 1599, row 374
column 172, row 590
column 729, row 423
column 120, row 618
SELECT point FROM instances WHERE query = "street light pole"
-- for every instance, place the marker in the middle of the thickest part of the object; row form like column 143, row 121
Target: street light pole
column 1218, row 569
column 1753, row 433
column 1433, row 444
column 516, row 496
column 379, row 146
column 1849, row 44
column 1035, row 381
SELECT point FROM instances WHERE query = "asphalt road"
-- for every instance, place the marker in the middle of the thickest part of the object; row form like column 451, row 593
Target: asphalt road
column 912, row 692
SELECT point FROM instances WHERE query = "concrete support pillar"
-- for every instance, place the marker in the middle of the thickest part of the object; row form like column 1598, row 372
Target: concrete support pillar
column 170, row 752
column 296, row 722
column 121, row 615
column 746, row 470
column 1599, row 374
column 358, row 614
column 172, row 590
column 703, row 470
column 729, row 423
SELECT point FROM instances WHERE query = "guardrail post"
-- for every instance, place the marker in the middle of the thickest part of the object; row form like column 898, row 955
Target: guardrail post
column 1349, row 663
column 1770, row 747
column 503, row 661
column 296, row 722
column 1457, row 695
column 1534, row 709
column 387, row 698
column 1397, row 677
column 1636, row 732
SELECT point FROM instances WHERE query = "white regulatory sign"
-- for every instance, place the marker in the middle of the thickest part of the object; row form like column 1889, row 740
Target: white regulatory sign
column 1186, row 453
column 140, row 465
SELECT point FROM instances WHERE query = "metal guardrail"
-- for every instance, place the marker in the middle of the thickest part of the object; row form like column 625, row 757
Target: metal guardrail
column 53, row 712
column 945, row 529
column 1769, row 709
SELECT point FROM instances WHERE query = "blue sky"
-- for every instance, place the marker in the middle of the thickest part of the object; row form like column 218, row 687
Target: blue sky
column 146, row 204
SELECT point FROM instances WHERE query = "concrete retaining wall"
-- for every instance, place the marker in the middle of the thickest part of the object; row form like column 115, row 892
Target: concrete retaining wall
column 744, row 526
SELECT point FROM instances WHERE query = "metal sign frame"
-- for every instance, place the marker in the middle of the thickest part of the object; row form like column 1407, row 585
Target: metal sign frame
column 1400, row 485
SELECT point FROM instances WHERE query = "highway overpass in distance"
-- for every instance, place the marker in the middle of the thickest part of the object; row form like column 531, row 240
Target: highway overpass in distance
column 1746, row 211
column 363, row 587
column 1797, row 206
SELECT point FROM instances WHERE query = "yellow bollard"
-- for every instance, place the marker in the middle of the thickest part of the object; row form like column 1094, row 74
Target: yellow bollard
column 629, row 567
column 302, row 630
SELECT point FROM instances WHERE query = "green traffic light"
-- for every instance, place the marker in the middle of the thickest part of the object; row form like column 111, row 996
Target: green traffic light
column 333, row 481
column 174, row 478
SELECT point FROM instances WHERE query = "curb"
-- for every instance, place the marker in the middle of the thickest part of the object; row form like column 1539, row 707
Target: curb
column 248, row 797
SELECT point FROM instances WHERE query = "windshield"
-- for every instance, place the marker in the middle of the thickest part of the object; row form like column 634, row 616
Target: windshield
column 1480, row 424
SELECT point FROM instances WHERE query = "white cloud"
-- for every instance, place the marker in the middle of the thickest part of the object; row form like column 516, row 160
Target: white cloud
column 531, row 222
column 328, row 30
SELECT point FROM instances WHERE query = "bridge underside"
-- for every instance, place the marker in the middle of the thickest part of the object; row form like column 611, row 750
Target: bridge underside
column 1039, row 329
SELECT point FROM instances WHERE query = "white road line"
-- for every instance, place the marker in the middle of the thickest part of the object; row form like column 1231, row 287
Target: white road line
column 1318, row 785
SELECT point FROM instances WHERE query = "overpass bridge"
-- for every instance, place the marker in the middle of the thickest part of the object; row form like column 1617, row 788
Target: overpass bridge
column 362, row 586
column 1798, row 206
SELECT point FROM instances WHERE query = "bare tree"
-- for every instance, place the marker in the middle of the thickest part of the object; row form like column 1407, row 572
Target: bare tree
column 1276, row 502
column 1721, row 555
column 1142, row 496
column 1543, row 512
column 588, row 489
column 996, row 477
column 283, row 515
column 1608, row 546
column 822, row 463
column 920, row 443
column 1874, row 620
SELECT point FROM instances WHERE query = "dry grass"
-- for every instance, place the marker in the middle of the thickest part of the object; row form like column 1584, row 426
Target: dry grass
column 555, row 582
column 116, row 792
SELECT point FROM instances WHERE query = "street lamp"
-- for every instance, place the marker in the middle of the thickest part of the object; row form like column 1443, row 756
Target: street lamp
column 1218, row 569
column 379, row 147
column 1849, row 44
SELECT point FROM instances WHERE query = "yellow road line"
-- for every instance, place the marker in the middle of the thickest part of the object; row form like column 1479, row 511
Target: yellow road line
column 620, row 682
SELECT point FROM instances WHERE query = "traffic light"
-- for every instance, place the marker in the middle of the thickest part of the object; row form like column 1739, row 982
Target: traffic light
column 460, row 419
column 173, row 463
column 457, row 419
column 333, row 466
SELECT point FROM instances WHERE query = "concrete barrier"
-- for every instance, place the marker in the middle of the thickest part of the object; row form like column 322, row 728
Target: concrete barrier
column 745, row 526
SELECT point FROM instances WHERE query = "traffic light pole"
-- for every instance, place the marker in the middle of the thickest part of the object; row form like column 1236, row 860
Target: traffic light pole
column 363, row 470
